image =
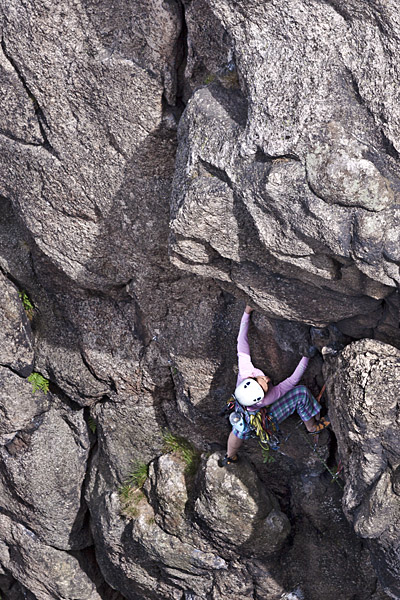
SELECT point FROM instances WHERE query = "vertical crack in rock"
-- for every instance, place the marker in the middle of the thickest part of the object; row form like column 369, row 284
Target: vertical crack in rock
column 41, row 118
column 389, row 147
column 181, row 60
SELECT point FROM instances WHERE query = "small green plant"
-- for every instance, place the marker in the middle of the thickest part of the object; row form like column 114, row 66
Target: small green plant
column 184, row 449
column 335, row 472
column 92, row 424
column 139, row 474
column 265, row 451
column 38, row 382
column 130, row 494
column 209, row 78
column 130, row 499
column 27, row 304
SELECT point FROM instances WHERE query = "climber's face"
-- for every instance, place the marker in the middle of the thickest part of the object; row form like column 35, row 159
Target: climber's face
column 263, row 381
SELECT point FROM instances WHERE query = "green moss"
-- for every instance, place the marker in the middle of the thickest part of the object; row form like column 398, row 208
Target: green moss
column 38, row 382
column 138, row 475
column 130, row 499
column 209, row 78
column 27, row 304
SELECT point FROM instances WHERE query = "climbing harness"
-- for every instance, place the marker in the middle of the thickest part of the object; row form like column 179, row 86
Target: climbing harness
column 267, row 430
column 261, row 424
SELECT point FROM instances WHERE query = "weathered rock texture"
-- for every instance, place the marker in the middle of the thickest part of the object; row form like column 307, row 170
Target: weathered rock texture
column 160, row 163
column 364, row 383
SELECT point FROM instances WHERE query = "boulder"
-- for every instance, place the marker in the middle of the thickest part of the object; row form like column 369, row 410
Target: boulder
column 362, row 384
column 45, row 571
column 167, row 483
column 138, row 557
column 42, row 470
column 237, row 511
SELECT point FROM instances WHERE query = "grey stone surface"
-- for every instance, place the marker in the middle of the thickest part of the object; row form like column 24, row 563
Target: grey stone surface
column 170, row 495
column 19, row 407
column 363, row 387
column 228, row 215
column 83, row 104
column 47, row 572
column 139, row 558
column 285, row 193
column 237, row 510
column 42, row 469
column 284, row 175
column 16, row 342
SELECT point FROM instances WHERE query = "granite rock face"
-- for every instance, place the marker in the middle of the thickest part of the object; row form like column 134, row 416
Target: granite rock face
column 162, row 162
column 16, row 336
column 285, row 186
column 363, row 389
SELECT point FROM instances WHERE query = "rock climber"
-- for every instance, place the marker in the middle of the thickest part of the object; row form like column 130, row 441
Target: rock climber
column 254, row 390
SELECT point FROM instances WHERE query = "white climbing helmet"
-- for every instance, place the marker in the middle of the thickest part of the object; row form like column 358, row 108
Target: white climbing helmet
column 249, row 392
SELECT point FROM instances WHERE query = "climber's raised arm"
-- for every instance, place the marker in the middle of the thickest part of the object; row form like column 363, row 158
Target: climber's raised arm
column 288, row 384
column 246, row 367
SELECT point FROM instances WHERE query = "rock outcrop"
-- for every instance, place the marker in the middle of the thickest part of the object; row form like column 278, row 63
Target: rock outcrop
column 363, row 390
column 285, row 188
column 160, row 164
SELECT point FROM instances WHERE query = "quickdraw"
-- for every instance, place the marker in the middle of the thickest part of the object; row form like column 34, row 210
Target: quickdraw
column 265, row 428
column 262, row 425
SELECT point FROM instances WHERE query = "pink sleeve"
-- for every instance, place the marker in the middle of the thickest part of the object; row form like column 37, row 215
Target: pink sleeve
column 246, row 367
column 242, row 339
column 286, row 385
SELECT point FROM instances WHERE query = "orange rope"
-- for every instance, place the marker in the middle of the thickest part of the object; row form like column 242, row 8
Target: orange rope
column 321, row 392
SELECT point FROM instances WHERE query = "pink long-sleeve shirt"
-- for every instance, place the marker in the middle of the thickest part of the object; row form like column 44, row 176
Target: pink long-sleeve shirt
column 247, row 369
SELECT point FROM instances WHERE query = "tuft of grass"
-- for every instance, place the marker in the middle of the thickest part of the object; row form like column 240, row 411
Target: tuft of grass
column 184, row 449
column 130, row 499
column 38, row 382
column 130, row 494
column 139, row 474
column 27, row 304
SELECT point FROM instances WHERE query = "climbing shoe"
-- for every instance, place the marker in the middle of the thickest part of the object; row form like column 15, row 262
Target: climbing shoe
column 228, row 460
column 322, row 439
column 320, row 426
